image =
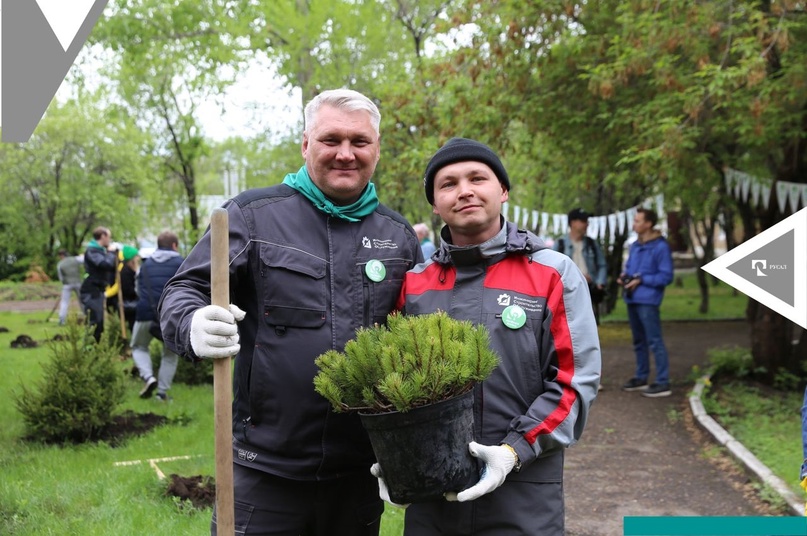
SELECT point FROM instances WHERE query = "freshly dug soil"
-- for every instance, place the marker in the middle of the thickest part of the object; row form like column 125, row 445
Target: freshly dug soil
column 199, row 490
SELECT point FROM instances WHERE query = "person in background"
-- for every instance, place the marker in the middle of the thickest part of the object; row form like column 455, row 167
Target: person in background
column 154, row 273
column 426, row 245
column 311, row 261
column 128, row 285
column 536, row 402
column 100, row 263
column 69, row 272
column 586, row 254
column 648, row 270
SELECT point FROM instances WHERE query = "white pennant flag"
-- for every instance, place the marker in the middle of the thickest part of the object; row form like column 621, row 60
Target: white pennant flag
column 593, row 227
column 795, row 195
column 505, row 209
column 603, row 226
column 755, row 193
column 612, row 218
column 535, row 220
column 728, row 177
column 781, row 194
column 620, row 218
column 525, row 216
column 556, row 224
column 765, row 190
column 544, row 222
column 516, row 214
column 746, row 183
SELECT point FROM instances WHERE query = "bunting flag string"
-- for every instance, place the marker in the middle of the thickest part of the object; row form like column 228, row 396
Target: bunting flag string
column 741, row 185
column 546, row 223
column 757, row 191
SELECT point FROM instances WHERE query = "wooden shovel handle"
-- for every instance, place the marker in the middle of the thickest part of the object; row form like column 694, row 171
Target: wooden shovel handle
column 222, row 376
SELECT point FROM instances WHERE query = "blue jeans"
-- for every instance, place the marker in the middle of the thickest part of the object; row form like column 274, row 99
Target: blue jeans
column 645, row 324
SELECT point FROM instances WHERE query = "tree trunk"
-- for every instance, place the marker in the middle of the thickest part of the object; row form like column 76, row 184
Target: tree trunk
column 703, row 287
column 777, row 344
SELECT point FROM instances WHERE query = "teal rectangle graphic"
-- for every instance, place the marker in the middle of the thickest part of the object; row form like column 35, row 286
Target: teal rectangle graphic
column 715, row 526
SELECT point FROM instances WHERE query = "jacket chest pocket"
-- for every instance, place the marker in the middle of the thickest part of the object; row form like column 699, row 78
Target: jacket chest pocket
column 380, row 296
column 295, row 287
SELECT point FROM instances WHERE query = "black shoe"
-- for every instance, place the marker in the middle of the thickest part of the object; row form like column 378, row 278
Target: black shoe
column 163, row 397
column 149, row 387
column 657, row 390
column 635, row 384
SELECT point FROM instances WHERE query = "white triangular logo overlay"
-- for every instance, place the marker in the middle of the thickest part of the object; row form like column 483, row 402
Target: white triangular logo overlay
column 797, row 224
column 65, row 18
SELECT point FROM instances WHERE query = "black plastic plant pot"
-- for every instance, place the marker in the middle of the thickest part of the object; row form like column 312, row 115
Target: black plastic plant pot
column 424, row 452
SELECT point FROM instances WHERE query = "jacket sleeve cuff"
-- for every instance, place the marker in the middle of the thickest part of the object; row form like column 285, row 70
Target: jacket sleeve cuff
column 524, row 450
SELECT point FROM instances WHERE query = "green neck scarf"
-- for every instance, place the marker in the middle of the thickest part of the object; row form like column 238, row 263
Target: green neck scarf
column 364, row 206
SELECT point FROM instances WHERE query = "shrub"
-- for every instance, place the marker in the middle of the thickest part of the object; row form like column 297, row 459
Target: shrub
column 732, row 362
column 188, row 372
column 82, row 385
column 413, row 361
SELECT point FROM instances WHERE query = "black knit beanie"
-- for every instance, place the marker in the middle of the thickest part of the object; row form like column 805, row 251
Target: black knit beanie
column 461, row 150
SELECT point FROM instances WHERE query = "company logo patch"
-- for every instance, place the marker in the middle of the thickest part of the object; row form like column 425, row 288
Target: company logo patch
column 771, row 268
column 247, row 455
column 384, row 244
column 40, row 41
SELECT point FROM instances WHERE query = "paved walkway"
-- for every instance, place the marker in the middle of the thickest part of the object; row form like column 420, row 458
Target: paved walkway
column 647, row 457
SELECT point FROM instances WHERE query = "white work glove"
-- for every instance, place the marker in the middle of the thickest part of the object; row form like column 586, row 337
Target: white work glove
column 383, row 491
column 214, row 333
column 499, row 461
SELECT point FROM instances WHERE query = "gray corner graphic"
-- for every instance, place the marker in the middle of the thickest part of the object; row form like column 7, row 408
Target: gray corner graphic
column 771, row 268
column 34, row 64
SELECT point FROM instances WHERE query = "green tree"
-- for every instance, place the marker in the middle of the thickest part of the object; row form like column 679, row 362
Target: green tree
column 168, row 58
column 83, row 167
column 634, row 98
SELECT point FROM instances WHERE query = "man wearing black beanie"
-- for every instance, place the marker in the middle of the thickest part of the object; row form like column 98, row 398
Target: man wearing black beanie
column 535, row 304
column 459, row 150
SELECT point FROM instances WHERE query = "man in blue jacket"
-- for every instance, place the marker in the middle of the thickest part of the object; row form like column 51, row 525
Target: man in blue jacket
column 648, row 270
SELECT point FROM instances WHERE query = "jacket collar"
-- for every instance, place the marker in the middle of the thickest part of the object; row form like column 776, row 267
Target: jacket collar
column 509, row 239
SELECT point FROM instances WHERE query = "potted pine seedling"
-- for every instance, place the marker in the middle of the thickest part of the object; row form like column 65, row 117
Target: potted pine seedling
column 411, row 382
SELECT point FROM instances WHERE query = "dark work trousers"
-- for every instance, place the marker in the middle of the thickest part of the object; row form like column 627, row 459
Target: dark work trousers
column 270, row 505
column 94, row 310
column 515, row 508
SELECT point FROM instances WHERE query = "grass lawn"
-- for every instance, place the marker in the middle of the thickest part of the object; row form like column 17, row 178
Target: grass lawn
column 85, row 490
column 682, row 298
column 97, row 489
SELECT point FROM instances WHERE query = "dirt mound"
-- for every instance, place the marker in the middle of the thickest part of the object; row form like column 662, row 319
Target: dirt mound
column 199, row 490
column 24, row 341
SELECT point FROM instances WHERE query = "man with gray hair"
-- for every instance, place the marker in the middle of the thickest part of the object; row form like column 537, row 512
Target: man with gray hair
column 426, row 245
column 311, row 261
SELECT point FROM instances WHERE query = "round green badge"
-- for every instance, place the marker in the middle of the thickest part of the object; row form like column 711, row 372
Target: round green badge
column 375, row 270
column 514, row 317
